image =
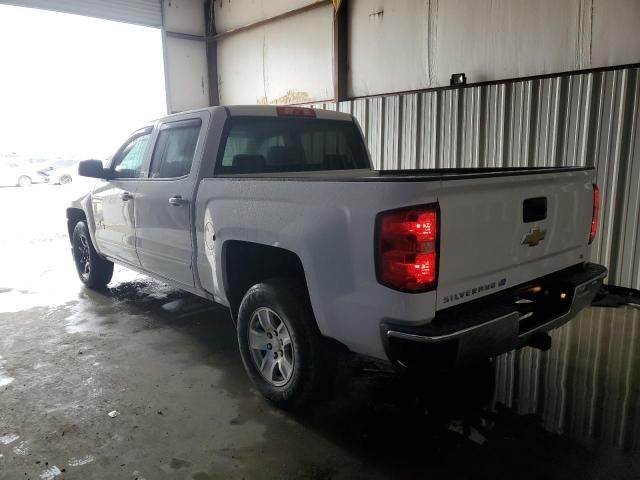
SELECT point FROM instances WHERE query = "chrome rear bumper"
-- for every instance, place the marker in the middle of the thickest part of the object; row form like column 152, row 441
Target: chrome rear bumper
column 494, row 324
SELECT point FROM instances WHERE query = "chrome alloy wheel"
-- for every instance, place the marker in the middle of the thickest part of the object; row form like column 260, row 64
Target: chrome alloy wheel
column 83, row 257
column 271, row 348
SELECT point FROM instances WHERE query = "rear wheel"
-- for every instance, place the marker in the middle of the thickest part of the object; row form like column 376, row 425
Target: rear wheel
column 280, row 344
column 94, row 271
column 24, row 181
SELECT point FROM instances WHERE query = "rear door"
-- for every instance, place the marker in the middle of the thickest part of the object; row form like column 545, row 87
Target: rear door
column 505, row 229
column 113, row 200
column 164, row 200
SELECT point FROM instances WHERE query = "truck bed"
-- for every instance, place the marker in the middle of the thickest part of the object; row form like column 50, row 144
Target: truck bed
column 328, row 219
column 411, row 175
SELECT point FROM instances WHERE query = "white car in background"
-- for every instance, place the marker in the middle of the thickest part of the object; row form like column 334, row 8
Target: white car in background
column 60, row 172
column 19, row 174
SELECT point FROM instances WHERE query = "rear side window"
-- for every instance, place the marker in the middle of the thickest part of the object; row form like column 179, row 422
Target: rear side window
column 173, row 153
column 272, row 145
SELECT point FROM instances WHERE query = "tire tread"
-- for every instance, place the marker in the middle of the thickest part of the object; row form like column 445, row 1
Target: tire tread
column 101, row 269
column 288, row 299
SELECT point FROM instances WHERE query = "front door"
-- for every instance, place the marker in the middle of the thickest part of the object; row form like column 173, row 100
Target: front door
column 164, row 203
column 113, row 201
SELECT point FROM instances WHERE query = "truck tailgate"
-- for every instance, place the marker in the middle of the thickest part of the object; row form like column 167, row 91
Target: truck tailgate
column 502, row 230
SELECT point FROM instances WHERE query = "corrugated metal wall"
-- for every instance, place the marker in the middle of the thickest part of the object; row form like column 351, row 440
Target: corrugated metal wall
column 581, row 119
column 586, row 386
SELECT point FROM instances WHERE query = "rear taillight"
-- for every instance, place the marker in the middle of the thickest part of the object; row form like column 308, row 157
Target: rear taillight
column 596, row 211
column 407, row 248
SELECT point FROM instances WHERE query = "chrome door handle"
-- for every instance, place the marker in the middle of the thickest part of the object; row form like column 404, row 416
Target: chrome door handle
column 177, row 201
column 126, row 196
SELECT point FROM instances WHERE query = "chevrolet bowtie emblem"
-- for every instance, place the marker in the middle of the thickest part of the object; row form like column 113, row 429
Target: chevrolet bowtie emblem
column 533, row 237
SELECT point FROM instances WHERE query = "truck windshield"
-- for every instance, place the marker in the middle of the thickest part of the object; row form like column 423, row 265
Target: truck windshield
column 278, row 145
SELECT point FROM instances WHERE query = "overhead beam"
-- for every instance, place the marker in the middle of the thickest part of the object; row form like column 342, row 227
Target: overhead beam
column 340, row 51
column 185, row 36
column 212, row 54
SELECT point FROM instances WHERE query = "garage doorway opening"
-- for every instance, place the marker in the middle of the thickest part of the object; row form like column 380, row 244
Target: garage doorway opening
column 73, row 87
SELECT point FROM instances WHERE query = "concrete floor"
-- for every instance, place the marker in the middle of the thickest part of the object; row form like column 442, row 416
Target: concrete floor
column 168, row 363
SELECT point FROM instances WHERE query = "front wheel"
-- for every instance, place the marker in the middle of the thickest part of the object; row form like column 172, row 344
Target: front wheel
column 280, row 344
column 94, row 271
column 24, row 181
column 65, row 180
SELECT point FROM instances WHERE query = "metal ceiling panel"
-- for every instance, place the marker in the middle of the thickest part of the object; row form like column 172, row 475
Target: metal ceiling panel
column 139, row 12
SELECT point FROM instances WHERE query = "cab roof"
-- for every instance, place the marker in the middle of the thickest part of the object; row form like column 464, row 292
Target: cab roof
column 271, row 111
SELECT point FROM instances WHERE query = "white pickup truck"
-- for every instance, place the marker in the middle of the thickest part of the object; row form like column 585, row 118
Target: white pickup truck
column 277, row 213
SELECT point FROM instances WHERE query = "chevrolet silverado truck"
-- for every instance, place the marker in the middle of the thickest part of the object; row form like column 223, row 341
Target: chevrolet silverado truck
column 277, row 213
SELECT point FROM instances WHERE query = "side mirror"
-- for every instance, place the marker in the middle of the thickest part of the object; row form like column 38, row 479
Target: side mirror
column 92, row 168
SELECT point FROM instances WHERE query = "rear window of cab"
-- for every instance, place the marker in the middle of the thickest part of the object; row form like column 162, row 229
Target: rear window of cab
column 255, row 145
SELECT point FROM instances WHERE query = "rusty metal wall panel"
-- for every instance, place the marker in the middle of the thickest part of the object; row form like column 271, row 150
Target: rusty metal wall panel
column 281, row 62
column 422, row 42
column 582, row 119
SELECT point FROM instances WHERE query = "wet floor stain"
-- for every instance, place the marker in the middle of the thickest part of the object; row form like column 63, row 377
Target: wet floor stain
column 5, row 379
column 79, row 461
column 202, row 476
column 22, row 448
column 8, row 438
column 50, row 473
column 505, row 407
column 177, row 464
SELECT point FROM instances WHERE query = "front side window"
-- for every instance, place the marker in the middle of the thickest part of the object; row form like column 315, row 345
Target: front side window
column 174, row 150
column 128, row 162
column 275, row 144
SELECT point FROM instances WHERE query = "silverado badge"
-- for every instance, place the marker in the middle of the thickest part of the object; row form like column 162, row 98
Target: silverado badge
column 533, row 237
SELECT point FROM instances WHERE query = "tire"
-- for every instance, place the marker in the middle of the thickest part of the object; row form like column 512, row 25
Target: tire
column 24, row 181
column 94, row 271
column 65, row 179
column 277, row 302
